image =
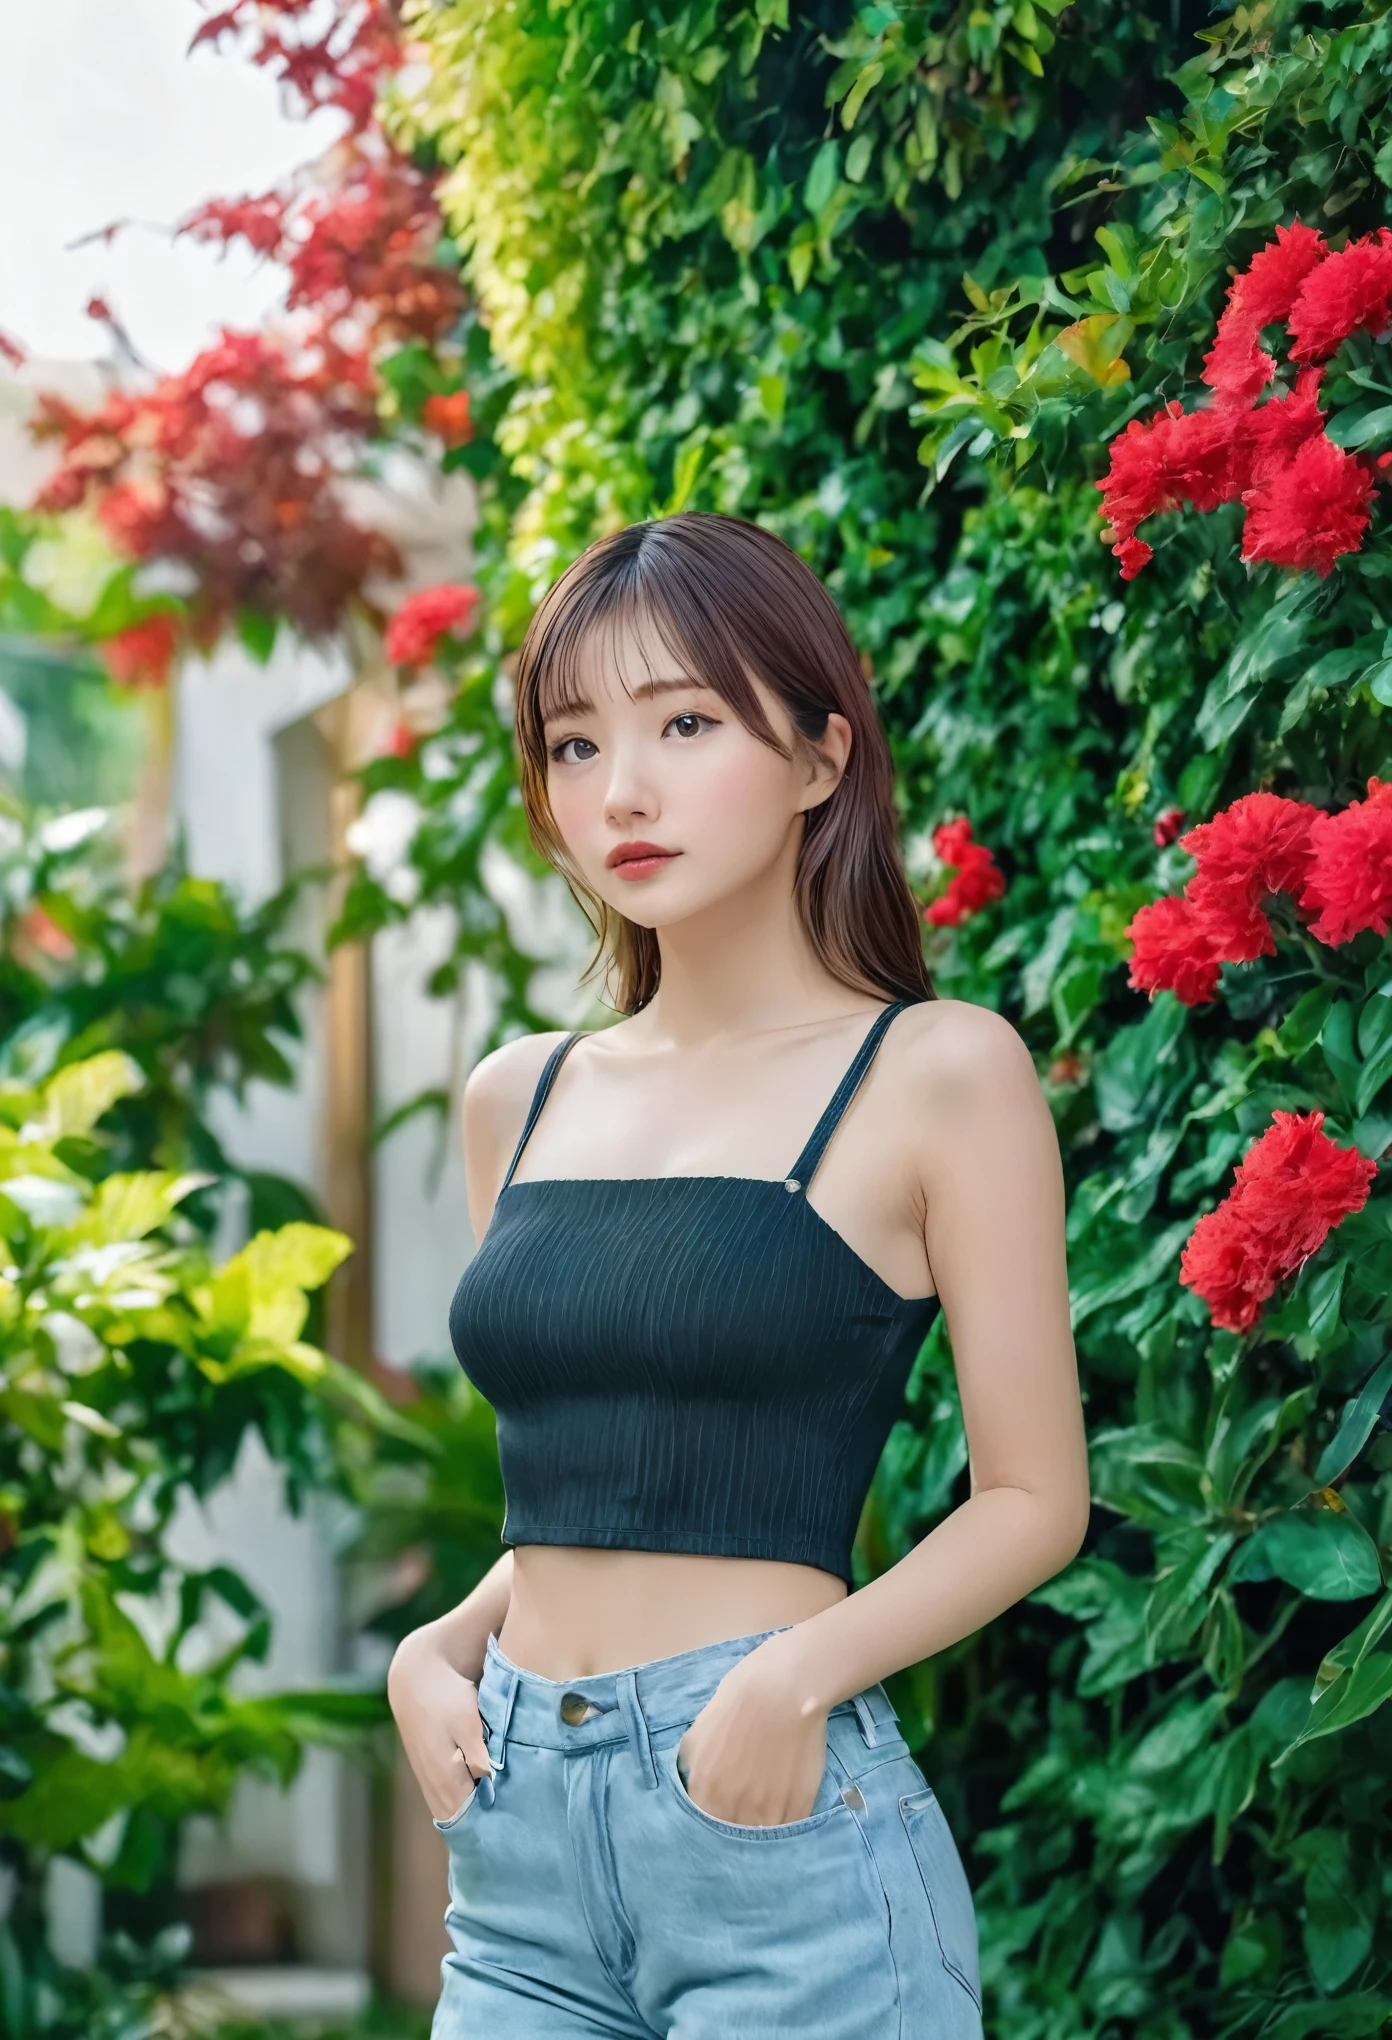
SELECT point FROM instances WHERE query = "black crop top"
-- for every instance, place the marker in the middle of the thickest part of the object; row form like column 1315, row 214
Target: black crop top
column 685, row 1363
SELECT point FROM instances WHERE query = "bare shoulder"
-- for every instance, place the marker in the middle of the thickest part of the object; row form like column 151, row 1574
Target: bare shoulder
column 956, row 1054
column 499, row 1090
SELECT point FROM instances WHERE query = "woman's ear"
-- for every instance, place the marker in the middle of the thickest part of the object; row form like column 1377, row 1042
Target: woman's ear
column 830, row 755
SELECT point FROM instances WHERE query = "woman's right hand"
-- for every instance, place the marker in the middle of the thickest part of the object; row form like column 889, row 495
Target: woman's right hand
column 437, row 1714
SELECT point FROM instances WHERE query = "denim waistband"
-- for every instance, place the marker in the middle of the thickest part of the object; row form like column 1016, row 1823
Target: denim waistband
column 627, row 1705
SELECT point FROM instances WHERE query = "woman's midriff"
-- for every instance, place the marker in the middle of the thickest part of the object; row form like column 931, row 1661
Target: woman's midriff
column 576, row 1610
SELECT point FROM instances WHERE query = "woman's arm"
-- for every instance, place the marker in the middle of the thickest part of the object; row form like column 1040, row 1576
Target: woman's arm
column 432, row 1686
column 994, row 1231
column 992, row 1189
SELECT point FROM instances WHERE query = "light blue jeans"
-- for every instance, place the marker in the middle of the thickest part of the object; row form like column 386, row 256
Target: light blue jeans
column 590, row 1895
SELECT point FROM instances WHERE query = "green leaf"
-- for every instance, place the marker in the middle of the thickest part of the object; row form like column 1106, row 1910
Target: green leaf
column 1355, row 1426
column 1360, row 427
column 1326, row 1553
column 1301, row 1027
column 82, row 1093
column 855, row 99
column 823, row 178
column 258, row 632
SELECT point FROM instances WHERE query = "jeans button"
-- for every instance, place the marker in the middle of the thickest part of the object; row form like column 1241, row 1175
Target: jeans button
column 575, row 1708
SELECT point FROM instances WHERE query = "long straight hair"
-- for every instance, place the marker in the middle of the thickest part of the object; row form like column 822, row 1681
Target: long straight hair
column 728, row 599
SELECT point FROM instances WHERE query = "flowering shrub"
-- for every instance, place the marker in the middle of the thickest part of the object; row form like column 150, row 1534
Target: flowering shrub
column 414, row 633
column 976, row 877
column 1337, row 865
column 1307, row 500
column 1291, row 1188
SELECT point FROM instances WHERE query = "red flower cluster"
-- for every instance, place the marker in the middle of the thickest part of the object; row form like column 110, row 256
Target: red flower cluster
column 1167, row 827
column 1336, row 866
column 338, row 61
column 448, row 417
column 361, row 253
column 1291, row 1188
column 230, row 467
column 142, row 654
column 1237, row 367
column 1307, row 500
column 1349, row 883
column 976, row 877
column 425, row 617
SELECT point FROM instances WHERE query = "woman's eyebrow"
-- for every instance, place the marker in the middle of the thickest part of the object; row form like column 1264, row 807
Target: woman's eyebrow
column 673, row 684
column 580, row 704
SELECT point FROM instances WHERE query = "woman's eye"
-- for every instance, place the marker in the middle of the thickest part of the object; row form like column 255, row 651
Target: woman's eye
column 689, row 724
column 574, row 751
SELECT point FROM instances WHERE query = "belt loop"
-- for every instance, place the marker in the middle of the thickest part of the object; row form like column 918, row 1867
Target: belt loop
column 865, row 1718
column 635, row 1722
column 497, row 1736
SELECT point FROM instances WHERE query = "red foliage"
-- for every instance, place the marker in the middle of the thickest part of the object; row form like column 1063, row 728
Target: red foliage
column 1349, row 884
column 229, row 467
column 424, row 618
column 1236, row 367
column 1290, row 1190
column 11, row 351
column 362, row 252
column 1349, row 292
column 976, row 879
column 1306, row 513
column 335, row 62
column 448, row 417
column 143, row 654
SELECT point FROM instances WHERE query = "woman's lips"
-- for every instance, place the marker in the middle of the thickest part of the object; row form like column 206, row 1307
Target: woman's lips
column 645, row 863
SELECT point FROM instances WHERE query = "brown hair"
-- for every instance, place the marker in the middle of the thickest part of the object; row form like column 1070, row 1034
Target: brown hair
column 728, row 599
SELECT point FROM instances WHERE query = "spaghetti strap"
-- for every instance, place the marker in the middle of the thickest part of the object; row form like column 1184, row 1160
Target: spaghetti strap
column 805, row 1167
column 539, row 1096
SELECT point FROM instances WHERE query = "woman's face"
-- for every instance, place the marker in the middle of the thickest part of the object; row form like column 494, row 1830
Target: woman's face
column 664, row 800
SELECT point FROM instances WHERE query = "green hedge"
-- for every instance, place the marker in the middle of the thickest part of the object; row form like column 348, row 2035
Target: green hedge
column 890, row 280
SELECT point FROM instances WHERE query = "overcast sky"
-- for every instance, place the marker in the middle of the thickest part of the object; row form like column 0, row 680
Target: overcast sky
column 103, row 116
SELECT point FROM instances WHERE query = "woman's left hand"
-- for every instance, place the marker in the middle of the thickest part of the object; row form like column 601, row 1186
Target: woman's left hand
column 752, row 1755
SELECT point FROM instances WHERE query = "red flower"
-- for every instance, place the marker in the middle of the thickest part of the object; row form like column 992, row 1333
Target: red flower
column 1236, row 367
column 1204, row 457
column 143, row 653
column 1258, row 845
column 1290, row 1190
column 448, row 417
column 977, row 878
column 950, row 840
column 1166, row 828
column 1348, row 292
column 1175, row 457
column 1307, row 512
column 425, row 617
column 1350, row 871
column 401, row 741
column 1175, row 948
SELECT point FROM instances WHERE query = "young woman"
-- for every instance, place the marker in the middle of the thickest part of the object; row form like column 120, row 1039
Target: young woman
column 712, row 1238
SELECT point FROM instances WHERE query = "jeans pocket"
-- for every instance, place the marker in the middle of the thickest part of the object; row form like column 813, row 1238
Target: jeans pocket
column 945, row 1881
column 456, row 1820
column 827, row 1803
